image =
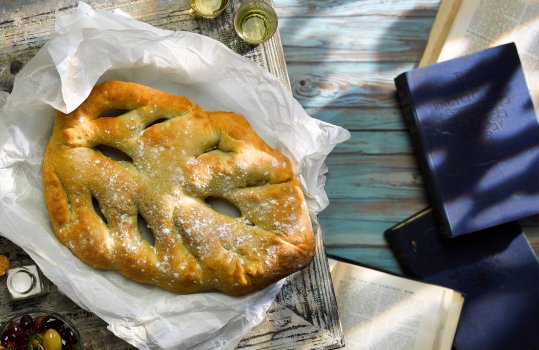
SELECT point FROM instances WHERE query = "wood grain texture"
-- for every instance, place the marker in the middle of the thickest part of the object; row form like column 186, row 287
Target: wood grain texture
column 360, row 118
column 342, row 58
column 346, row 84
column 303, row 315
column 350, row 9
column 324, row 39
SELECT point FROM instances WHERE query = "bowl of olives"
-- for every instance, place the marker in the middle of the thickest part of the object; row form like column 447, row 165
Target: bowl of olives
column 38, row 330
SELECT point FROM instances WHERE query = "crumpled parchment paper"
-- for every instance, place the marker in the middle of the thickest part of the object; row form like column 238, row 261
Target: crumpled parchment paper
column 95, row 45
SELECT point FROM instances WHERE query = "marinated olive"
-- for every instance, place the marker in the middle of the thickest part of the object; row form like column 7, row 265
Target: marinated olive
column 52, row 340
column 54, row 323
column 47, row 332
column 39, row 323
column 5, row 340
column 26, row 322
column 69, row 336
column 15, row 332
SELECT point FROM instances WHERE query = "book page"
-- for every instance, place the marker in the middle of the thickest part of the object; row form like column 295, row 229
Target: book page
column 379, row 311
column 447, row 11
column 481, row 24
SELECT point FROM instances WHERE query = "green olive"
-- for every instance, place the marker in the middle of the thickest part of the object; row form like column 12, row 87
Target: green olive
column 52, row 340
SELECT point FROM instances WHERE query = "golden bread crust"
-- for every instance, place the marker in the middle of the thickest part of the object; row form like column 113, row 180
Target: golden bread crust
column 172, row 168
column 4, row 265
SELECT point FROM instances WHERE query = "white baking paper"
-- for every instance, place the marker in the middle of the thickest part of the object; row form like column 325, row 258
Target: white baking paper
column 90, row 46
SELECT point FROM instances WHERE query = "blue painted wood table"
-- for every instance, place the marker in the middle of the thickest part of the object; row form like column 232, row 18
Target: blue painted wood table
column 342, row 57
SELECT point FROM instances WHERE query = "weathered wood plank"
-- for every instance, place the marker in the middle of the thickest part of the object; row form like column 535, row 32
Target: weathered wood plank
column 362, row 222
column 374, row 39
column 360, row 118
column 347, row 8
column 355, row 90
column 373, row 177
column 355, row 233
column 372, row 210
column 376, row 142
column 346, row 84
column 375, row 256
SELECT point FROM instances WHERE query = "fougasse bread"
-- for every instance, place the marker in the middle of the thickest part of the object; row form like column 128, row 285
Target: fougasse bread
column 177, row 157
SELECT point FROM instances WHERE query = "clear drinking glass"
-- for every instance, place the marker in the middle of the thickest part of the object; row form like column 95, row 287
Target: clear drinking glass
column 255, row 22
column 208, row 8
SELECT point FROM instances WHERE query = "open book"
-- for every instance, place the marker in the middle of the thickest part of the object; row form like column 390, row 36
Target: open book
column 463, row 27
column 382, row 311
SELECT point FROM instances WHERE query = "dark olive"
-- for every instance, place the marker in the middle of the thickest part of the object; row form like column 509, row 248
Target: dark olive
column 39, row 323
column 69, row 336
column 5, row 340
column 15, row 332
column 26, row 322
column 54, row 323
